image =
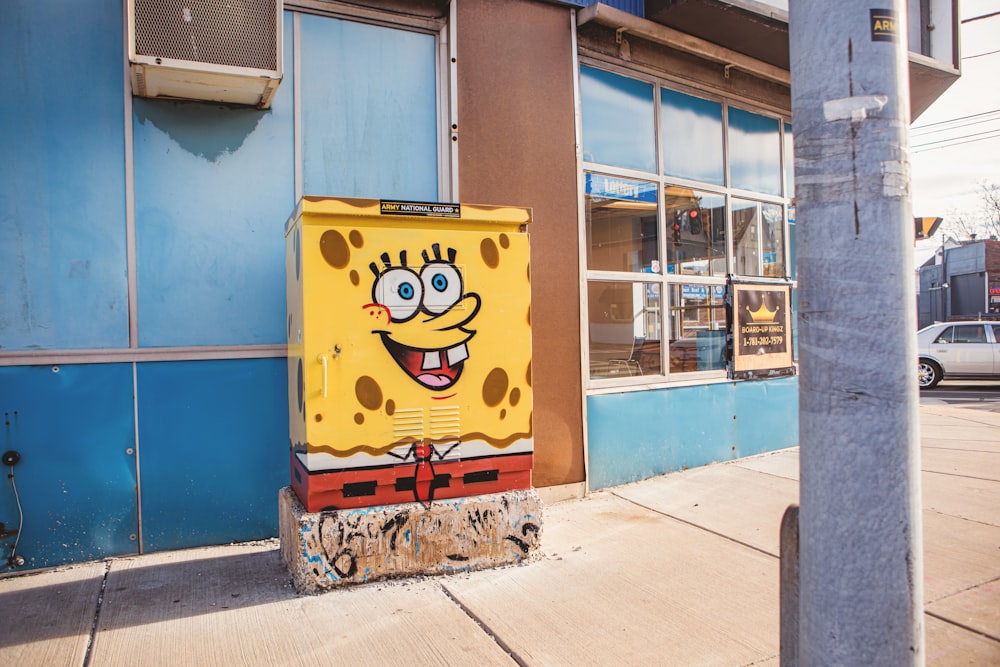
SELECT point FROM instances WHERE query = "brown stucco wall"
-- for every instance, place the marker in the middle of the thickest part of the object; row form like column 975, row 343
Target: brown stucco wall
column 517, row 147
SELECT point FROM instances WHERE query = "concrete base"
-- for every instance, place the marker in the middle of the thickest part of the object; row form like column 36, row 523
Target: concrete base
column 333, row 548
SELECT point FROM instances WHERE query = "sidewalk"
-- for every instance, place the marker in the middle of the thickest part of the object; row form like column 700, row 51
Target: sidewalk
column 677, row 570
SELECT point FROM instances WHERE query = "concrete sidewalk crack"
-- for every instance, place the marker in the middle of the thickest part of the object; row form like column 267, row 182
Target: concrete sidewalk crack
column 484, row 627
column 699, row 527
column 961, row 625
column 963, row 590
column 955, row 474
column 97, row 615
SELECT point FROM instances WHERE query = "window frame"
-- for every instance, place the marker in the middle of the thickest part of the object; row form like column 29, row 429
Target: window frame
column 667, row 281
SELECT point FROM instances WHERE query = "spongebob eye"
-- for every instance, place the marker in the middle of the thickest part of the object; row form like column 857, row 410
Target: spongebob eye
column 442, row 286
column 399, row 290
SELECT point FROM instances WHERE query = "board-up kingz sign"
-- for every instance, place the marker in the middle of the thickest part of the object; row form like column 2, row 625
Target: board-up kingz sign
column 762, row 335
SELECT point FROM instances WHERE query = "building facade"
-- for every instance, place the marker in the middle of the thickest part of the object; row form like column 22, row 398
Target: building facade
column 142, row 282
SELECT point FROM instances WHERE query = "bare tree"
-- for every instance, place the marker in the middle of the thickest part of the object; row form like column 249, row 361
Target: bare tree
column 989, row 195
column 960, row 225
column 983, row 223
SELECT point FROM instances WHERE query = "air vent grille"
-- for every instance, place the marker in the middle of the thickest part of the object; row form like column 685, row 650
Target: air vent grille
column 238, row 33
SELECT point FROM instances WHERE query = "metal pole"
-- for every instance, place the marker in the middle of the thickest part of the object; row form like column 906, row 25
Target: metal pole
column 860, row 569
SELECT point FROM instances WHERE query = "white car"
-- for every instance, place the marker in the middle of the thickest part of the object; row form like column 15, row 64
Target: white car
column 958, row 351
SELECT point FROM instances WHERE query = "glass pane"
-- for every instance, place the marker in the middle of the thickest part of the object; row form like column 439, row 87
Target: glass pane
column 369, row 110
column 696, row 232
column 617, row 120
column 697, row 328
column 789, row 162
column 772, row 239
column 692, row 137
column 746, row 234
column 624, row 329
column 969, row 333
column 621, row 225
column 754, row 152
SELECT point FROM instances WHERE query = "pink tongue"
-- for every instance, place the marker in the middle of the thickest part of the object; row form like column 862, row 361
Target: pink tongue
column 433, row 380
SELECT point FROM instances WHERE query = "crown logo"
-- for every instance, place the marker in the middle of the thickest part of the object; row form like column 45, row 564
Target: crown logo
column 762, row 314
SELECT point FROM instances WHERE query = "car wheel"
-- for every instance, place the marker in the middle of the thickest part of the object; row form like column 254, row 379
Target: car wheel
column 928, row 374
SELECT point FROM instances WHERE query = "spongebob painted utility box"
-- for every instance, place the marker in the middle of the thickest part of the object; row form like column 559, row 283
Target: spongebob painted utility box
column 409, row 351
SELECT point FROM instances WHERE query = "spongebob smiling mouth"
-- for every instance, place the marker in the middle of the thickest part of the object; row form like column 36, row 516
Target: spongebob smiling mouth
column 425, row 313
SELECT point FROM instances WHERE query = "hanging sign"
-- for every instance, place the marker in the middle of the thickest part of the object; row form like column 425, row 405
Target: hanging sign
column 762, row 330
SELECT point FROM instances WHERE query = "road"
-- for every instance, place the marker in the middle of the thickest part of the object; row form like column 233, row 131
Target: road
column 982, row 395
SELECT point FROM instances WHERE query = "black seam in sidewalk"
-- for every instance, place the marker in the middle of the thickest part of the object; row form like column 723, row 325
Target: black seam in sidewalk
column 485, row 628
column 955, row 474
column 961, row 625
column 968, row 588
column 97, row 615
column 699, row 527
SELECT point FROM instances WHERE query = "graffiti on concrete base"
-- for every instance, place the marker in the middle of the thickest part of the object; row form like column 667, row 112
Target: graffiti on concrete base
column 352, row 546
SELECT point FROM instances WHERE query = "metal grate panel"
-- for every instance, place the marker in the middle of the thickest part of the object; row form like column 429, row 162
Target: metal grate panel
column 238, row 33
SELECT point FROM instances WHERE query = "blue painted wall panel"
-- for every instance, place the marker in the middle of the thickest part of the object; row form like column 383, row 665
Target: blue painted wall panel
column 62, row 176
column 369, row 111
column 214, row 185
column 637, row 7
column 636, row 435
column 76, row 480
column 213, row 450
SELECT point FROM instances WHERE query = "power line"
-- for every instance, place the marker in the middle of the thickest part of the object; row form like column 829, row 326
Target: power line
column 966, row 136
column 979, row 18
column 921, row 133
column 922, row 147
column 952, row 120
column 980, row 55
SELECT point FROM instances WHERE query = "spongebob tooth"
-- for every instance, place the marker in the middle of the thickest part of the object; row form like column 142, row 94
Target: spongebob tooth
column 432, row 360
column 457, row 354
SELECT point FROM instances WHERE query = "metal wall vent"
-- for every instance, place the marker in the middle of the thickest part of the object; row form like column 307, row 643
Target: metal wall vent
column 213, row 50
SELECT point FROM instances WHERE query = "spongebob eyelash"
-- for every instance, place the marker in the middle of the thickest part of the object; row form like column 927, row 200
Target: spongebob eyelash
column 436, row 247
column 387, row 261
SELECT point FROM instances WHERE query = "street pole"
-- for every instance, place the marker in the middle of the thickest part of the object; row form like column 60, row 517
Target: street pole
column 860, row 568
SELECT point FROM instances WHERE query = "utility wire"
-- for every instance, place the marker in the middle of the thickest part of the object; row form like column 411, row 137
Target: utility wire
column 923, row 148
column 979, row 18
column 952, row 120
column 922, row 133
column 965, row 136
column 980, row 55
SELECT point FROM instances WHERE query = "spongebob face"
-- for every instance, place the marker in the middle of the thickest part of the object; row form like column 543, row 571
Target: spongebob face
column 423, row 316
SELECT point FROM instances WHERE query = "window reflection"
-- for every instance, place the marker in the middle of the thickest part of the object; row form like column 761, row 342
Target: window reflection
column 621, row 225
column 692, row 137
column 624, row 329
column 759, row 234
column 697, row 328
column 696, row 232
column 618, row 120
column 754, row 152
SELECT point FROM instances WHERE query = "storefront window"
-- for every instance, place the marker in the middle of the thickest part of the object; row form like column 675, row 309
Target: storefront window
column 624, row 329
column 621, row 225
column 696, row 232
column 618, row 120
column 692, row 137
column 697, row 328
column 758, row 230
column 715, row 209
column 754, row 152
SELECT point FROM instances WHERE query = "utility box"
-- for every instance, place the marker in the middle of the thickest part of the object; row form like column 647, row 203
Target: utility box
column 409, row 351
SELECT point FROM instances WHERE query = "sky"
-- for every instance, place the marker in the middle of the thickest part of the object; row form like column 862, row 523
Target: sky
column 955, row 144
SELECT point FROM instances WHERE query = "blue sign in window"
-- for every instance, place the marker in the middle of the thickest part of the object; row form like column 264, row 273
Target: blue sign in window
column 611, row 187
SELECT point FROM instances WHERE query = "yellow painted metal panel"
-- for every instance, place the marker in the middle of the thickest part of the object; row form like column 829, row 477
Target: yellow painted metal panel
column 410, row 325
